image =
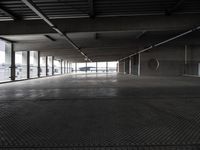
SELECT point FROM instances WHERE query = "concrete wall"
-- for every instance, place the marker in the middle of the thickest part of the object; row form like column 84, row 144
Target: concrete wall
column 171, row 61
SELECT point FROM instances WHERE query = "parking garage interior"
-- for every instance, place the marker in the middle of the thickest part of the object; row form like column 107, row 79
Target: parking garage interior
column 100, row 74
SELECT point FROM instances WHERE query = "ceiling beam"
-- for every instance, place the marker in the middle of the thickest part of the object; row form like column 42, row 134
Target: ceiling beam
column 163, row 42
column 175, row 7
column 50, row 38
column 35, row 9
column 140, row 34
column 91, row 8
column 103, row 24
column 8, row 13
column 42, row 45
column 7, row 40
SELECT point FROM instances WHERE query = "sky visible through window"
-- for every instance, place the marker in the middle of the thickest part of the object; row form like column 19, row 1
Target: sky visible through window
column 2, row 52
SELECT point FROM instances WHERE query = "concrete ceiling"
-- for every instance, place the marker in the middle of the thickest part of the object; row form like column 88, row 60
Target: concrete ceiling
column 102, row 35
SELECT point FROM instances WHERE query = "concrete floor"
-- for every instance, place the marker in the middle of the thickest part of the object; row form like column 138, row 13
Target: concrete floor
column 106, row 111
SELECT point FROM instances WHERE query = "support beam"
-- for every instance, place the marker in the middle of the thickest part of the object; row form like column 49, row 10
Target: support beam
column 130, row 66
column 164, row 42
column 7, row 40
column 139, row 64
column 36, row 9
column 174, row 8
column 8, row 13
column 86, row 66
column 52, row 65
column 12, row 67
column 75, row 66
column 67, row 67
column 140, row 35
column 50, row 38
column 70, row 67
column 39, row 68
column 102, row 24
column 64, row 67
column 91, row 8
column 61, row 66
column 28, row 64
column 106, row 66
column 96, row 67
column 46, row 65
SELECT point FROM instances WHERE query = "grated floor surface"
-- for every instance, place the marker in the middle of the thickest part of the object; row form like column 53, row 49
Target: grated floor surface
column 100, row 112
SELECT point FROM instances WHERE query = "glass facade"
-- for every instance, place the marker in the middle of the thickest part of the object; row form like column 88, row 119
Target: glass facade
column 46, row 64
column 57, row 66
column 43, row 66
column 112, row 66
column 101, row 66
column 74, row 67
column 81, row 67
column 21, row 65
column 5, row 61
column 91, row 67
column 33, row 64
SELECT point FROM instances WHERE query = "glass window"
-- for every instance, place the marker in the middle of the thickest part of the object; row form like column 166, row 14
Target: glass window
column 91, row 67
column 81, row 67
column 21, row 65
column 57, row 66
column 5, row 61
column 112, row 66
column 33, row 64
column 101, row 66
column 73, row 67
column 43, row 66
column 49, row 61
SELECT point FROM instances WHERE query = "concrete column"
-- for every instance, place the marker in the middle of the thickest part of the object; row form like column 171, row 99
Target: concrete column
column 186, row 55
column 69, row 70
column 38, row 64
column 117, row 69
column 86, row 67
column 52, row 65
column 185, row 59
column 64, row 67
column 75, row 67
column 12, row 67
column 70, row 65
column 130, row 66
column 46, row 65
column 106, row 66
column 96, row 67
column 139, row 59
column 67, row 67
column 28, row 64
column 61, row 66
column 127, row 67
